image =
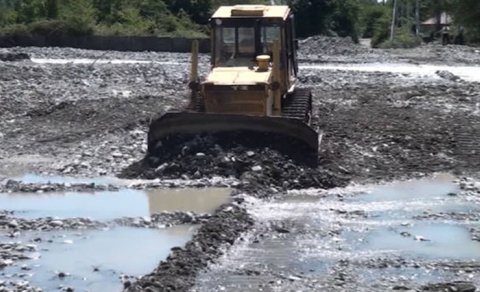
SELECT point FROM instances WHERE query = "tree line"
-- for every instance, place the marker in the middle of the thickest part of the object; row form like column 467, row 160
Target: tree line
column 354, row 18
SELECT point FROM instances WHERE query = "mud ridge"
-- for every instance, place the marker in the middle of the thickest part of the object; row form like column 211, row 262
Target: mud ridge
column 179, row 270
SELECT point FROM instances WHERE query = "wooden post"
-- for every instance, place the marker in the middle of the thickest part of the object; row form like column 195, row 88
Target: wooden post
column 394, row 16
column 193, row 82
column 194, row 68
column 417, row 17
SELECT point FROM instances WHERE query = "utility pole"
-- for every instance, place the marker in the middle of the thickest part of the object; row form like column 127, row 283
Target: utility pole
column 394, row 16
column 417, row 17
column 438, row 14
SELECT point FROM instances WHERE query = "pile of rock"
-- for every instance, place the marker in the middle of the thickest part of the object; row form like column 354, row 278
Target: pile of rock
column 15, row 224
column 13, row 186
column 163, row 220
column 12, row 57
column 256, row 168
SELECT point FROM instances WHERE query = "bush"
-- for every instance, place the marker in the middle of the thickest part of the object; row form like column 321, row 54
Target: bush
column 59, row 27
column 381, row 31
column 404, row 38
column 369, row 17
column 7, row 16
column 15, row 30
column 48, row 27
column 78, row 16
column 345, row 19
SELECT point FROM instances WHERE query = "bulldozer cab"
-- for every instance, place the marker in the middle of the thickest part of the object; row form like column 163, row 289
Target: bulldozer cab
column 241, row 33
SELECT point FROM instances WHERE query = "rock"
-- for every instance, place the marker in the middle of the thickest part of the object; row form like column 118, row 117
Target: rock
column 85, row 164
column 56, row 223
column 12, row 185
column 13, row 224
column 458, row 286
column 281, row 230
column 12, row 57
column 447, row 75
column 401, row 288
column 117, row 154
column 161, row 167
column 294, row 278
column 6, row 262
column 257, row 168
column 420, row 238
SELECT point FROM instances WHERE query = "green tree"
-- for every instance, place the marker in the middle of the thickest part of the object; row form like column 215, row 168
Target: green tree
column 52, row 9
column 381, row 29
column 370, row 14
column 345, row 18
column 30, row 10
column 312, row 16
column 467, row 15
column 199, row 10
column 79, row 16
column 7, row 15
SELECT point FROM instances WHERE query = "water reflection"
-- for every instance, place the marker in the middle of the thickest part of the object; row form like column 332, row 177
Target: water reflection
column 195, row 200
column 110, row 205
column 95, row 260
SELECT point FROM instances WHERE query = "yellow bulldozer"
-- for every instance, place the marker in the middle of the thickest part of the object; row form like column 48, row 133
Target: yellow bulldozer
column 252, row 84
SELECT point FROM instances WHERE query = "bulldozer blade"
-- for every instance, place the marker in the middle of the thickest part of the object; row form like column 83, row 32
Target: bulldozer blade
column 281, row 133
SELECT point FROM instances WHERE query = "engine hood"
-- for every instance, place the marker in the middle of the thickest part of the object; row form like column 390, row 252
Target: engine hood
column 238, row 76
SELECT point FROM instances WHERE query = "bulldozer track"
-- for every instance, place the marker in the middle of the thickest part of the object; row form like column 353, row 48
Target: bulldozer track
column 298, row 105
column 196, row 104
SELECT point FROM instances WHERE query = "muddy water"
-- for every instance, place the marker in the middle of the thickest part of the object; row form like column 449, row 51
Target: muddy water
column 468, row 73
column 96, row 259
column 362, row 238
column 195, row 200
column 110, row 205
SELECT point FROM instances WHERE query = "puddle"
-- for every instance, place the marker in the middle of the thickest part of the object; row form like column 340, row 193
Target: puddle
column 194, row 200
column 110, row 205
column 361, row 227
column 432, row 241
column 468, row 73
column 114, row 252
column 438, row 186
column 95, row 259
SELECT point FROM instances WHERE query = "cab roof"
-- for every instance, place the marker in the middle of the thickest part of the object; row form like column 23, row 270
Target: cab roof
column 260, row 11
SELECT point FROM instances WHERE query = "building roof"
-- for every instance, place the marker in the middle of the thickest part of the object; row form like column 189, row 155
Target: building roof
column 277, row 11
column 445, row 19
